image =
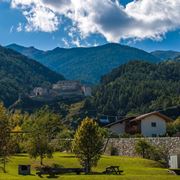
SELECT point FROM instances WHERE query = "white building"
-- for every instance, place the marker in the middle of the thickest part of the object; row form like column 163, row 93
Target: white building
column 87, row 90
column 149, row 125
column 39, row 91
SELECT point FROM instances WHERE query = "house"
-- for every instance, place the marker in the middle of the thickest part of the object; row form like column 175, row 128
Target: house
column 149, row 125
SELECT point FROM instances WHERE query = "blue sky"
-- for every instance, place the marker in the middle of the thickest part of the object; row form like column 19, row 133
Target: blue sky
column 46, row 24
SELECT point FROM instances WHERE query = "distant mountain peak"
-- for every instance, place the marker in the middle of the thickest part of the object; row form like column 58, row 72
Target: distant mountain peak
column 30, row 52
column 88, row 64
column 165, row 55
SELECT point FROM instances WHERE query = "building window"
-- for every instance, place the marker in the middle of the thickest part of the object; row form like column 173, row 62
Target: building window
column 153, row 124
column 154, row 135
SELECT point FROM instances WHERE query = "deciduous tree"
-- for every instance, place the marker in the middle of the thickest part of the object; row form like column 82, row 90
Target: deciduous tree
column 43, row 126
column 88, row 143
column 6, row 144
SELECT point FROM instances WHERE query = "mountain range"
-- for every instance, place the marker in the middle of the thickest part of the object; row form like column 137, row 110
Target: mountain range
column 19, row 75
column 165, row 55
column 131, row 87
column 85, row 64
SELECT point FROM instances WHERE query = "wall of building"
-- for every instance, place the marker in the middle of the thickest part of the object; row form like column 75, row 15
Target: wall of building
column 148, row 130
column 126, row 146
column 118, row 128
column 63, row 89
column 67, row 85
column 87, row 90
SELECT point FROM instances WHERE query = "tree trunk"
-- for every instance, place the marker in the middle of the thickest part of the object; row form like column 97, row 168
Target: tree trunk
column 143, row 153
column 41, row 160
column 4, row 165
column 87, row 167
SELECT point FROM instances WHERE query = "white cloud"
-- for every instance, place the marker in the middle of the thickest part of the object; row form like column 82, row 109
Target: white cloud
column 19, row 27
column 65, row 42
column 60, row 6
column 11, row 29
column 76, row 42
column 140, row 19
column 23, row 3
column 154, row 18
column 39, row 17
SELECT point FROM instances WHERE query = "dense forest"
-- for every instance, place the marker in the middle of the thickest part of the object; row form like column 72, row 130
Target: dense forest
column 139, row 87
column 18, row 75
column 86, row 64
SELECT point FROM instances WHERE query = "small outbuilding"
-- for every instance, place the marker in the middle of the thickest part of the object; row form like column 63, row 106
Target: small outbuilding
column 24, row 169
column 174, row 161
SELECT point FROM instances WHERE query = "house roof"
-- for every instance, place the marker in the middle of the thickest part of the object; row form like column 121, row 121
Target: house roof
column 141, row 117
column 120, row 121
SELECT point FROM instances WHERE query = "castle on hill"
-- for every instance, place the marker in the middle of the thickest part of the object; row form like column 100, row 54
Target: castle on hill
column 64, row 89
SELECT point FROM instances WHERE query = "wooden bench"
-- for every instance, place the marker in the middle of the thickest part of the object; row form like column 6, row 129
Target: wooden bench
column 56, row 171
column 113, row 170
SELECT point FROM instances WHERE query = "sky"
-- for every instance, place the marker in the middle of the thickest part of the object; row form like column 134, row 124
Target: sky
column 46, row 24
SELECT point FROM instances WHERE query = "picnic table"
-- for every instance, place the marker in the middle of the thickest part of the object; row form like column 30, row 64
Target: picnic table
column 113, row 170
column 55, row 171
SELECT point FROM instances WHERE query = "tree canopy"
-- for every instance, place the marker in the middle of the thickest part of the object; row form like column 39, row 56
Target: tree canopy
column 88, row 143
column 139, row 87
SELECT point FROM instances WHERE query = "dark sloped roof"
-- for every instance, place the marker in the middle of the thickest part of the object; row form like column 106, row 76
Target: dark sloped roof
column 120, row 121
column 141, row 117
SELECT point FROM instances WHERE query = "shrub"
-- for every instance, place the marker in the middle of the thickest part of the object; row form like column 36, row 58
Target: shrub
column 148, row 151
column 113, row 151
column 143, row 148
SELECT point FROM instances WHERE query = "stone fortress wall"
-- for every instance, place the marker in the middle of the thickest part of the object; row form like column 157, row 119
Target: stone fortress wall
column 64, row 88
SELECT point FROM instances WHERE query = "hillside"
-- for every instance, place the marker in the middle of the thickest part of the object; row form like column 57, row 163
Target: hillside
column 87, row 64
column 18, row 75
column 177, row 58
column 30, row 52
column 139, row 87
column 165, row 55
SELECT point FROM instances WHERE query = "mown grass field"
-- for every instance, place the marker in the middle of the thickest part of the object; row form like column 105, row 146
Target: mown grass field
column 134, row 168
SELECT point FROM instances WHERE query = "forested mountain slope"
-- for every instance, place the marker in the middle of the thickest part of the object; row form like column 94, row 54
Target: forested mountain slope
column 18, row 75
column 139, row 87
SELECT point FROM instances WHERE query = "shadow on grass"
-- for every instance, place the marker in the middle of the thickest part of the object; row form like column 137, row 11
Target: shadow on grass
column 102, row 173
column 67, row 156
column 52, row 176
column 21, row 155
column 27, row 175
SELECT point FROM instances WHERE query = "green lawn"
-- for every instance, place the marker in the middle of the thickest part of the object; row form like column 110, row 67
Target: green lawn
column 134, row 168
